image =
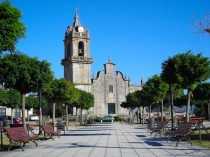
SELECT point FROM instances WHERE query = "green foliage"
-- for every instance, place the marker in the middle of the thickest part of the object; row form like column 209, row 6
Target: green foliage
column 33, row 102
column 157, row 88
column 3, row 98
column 202, row 92
column 180, row 101
column 60, row 91
column 42, row 72
column 86, row 100
column 186, row 69
column 11, row 28
column 124, row 104
column 14, row 99
column 169, row 71
column 10, row 98
column 30, row 102
column 144, row 96
column 201, row 110
column 118, row 119
column 201, row 95
column 177, row 91
column 22, row 73
column 131, row 100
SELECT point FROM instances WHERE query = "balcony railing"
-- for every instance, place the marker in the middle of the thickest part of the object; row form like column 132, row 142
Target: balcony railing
column 82, row 58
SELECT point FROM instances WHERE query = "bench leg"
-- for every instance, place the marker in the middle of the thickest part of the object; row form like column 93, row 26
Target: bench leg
column 35, row 143
column 15, row 143
column 178, row 141
column 182, row 139
column 51, row 137
column 159, row 132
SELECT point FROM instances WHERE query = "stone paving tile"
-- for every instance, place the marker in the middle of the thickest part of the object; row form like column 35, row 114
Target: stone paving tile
column 108, row 140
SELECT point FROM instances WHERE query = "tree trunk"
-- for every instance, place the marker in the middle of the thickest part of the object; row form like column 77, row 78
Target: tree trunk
column 143, row 116
column 137, row 116
column 130, row 118
column 67, row 118
column 27, row 114
column 76, row 116
column 53, row 119
column 40, row 111
column 172, row 107
column 81, row 118
column 11, row 115
column 161, row 109
column 23, row 109
column 140, row 115
column 149, row 111
column 209, row 110
column 188, row 106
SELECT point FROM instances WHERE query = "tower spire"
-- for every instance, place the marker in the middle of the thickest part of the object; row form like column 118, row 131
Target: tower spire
column 76, row 19
column 109, row 60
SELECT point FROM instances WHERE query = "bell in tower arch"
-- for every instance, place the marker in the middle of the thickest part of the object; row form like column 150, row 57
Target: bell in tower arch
column 81, row 49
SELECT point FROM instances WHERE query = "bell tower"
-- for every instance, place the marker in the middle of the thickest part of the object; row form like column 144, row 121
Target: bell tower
column 77, row 61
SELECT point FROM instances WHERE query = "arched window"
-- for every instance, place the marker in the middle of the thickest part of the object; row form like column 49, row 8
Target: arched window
column 110, row 88
column 81, row 49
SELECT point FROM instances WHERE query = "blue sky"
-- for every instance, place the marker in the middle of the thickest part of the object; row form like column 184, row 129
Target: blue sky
column 138, row 35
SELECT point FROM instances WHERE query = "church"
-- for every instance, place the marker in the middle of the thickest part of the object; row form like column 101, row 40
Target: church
column 109, row 87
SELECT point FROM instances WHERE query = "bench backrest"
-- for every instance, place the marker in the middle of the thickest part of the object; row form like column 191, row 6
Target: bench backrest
column 161, row 125
column 184, row 128
column 22, row 132
column 15, row 125
column 12, row 134
column 47, row 128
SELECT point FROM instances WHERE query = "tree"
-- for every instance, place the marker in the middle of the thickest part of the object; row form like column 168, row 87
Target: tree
column 11, row 99
column 187, row 70
column 30, row 103
column 3, row 98
column 33, row 102
column 59, row 91
column 201, row 95
column 124, row 104
column 11, row 28
column 203, row 26
column 24, row 74
column 131, row 103
column 14, row 100
column 168, row 75
column 143, row 100
column 159, row 90
column 86, row 101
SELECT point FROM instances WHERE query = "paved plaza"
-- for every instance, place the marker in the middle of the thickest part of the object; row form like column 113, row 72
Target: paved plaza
column 108, row 140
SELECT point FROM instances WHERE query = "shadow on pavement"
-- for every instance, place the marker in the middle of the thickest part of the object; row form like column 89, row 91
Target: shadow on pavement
column 85, row 134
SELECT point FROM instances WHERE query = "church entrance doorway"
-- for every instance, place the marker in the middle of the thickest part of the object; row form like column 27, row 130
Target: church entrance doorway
column 111, row 108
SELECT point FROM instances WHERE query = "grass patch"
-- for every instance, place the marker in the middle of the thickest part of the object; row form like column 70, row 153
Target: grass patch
column 205, row 139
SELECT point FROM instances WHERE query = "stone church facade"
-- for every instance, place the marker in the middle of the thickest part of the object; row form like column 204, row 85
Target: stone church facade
column 109, row 87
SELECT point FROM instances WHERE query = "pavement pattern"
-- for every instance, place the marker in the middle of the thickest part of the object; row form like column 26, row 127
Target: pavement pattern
column 108, row 140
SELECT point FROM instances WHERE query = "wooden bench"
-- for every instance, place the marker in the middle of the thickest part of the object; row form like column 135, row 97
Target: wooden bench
column 49, row 131
column 198, row 123
column 182, row 132
column 15, row 125
column 18, row 136
column 61, row 126
column 160, row 127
